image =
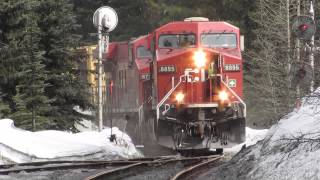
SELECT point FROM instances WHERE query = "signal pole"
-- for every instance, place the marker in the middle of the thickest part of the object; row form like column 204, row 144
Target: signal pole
column 105, row 19
column 100, row 43
column 312, row 53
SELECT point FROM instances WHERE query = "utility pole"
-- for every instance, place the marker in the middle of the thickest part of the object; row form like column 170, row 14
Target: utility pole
column 311, row 57
column 105, row 19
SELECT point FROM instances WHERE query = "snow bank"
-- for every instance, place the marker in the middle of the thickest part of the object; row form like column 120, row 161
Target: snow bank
column 252, row 137
column 290, row 149
column 17, row 145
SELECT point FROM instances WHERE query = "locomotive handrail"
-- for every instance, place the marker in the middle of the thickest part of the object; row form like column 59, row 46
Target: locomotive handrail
column 169, row 85
column 167, row 95
column 235, row 94
column 180, row 80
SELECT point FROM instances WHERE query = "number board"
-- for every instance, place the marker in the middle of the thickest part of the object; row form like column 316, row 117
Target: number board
column 232, row 67
column 145, row 76
column 167, row 69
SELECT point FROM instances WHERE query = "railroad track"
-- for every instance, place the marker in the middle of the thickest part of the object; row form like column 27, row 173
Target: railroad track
column 191, row 166
column 169, row 167
column 64, row 165
column 190, row 172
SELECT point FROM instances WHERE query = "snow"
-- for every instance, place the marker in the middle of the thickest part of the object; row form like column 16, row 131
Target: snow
column 18, row 146
column 84, row 124
column 84, row 112
column 252, row 136
column 290, row 149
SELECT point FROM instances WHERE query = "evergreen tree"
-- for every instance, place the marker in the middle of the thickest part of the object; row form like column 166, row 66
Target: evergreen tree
column 4, row 106
column 9, row 52
column 84, row 10
column 133, row 18
column 25, row 89
column 31, row 103
column 58, row 26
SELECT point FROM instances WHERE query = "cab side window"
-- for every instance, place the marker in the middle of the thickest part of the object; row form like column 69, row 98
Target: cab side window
column 142, row 52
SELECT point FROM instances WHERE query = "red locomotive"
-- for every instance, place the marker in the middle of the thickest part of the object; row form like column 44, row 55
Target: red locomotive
column 181, row 84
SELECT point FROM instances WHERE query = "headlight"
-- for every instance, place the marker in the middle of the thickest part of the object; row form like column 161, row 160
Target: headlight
column 199, row 58
column 179, row 97
column 223, row 95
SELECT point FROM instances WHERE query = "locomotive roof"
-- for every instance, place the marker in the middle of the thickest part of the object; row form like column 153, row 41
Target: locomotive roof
column 139, row 38
column 197, row 26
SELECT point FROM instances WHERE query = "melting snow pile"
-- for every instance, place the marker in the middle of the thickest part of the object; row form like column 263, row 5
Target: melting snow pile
column 290, row 149
column 17, row 145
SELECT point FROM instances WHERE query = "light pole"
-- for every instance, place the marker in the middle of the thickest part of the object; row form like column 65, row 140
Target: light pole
column 105, row 19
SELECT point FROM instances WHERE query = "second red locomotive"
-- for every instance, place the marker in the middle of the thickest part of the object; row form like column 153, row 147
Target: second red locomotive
column 180, row 85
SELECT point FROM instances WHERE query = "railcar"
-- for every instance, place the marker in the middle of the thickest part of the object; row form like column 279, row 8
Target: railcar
column 180, row 86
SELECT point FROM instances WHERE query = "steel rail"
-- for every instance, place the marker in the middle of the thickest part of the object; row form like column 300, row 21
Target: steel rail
column 134, row 168
column 42, row 163
column 57, row 165
column 66, row 166
column 188, row 172
column 103, row 174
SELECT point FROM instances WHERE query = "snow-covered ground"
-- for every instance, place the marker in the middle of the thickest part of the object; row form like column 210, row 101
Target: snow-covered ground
column 290, row 150
column 252, row 137
column 17, row 145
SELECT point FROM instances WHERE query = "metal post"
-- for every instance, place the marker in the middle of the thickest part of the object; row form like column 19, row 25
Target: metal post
column 99, row 77
column 311, row 52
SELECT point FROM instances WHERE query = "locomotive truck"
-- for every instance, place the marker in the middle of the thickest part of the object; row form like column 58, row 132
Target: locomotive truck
column 180, row 86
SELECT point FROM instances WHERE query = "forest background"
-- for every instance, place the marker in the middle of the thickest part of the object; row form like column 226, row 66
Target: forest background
column 40, row 84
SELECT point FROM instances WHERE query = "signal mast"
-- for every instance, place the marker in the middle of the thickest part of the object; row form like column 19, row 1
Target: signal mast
column 105, row 19
column 304, row 28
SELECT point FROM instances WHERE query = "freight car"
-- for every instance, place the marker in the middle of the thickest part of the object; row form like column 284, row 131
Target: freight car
column 181, row 85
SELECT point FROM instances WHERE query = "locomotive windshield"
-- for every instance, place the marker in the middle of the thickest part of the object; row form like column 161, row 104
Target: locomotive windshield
column 219, row 40
column 176, row 40
column 142, row 52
